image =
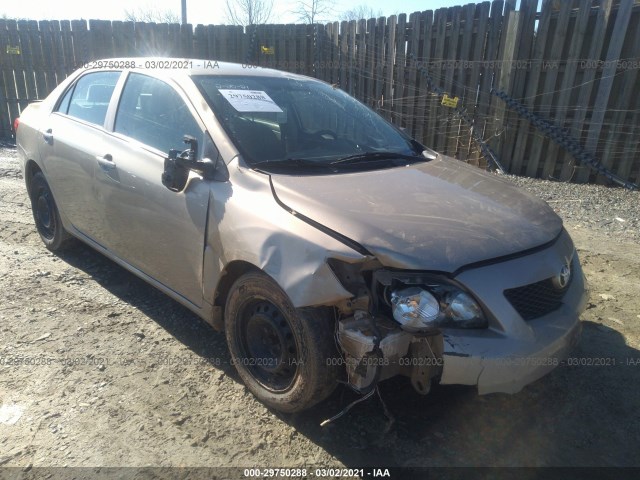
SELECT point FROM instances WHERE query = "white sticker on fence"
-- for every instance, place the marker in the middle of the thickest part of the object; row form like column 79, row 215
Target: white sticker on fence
column 250, row 101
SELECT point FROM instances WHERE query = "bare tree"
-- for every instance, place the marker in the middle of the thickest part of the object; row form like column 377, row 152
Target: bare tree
column 149, row 14
column 313, row 11
column 360, row 12
column 4, row 16
column 249, row 12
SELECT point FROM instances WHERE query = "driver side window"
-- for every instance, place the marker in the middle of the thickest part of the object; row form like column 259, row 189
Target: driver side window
column 153, row 113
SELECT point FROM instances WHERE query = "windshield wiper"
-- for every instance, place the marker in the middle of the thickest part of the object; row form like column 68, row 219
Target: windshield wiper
column 369, row 156
column 288, row 162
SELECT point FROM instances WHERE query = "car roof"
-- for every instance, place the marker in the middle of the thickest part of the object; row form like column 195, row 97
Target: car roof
column 188, row 66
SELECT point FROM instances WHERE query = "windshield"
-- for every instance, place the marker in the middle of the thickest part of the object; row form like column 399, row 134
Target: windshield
column 281, row 122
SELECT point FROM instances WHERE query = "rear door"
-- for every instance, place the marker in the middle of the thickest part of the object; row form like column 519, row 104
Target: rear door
column 72, row 147
column 157, row 231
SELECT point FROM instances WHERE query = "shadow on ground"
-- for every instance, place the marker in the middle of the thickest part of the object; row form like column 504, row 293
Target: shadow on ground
column 569, row 418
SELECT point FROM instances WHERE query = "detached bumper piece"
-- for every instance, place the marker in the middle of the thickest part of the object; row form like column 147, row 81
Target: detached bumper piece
column 377, row 349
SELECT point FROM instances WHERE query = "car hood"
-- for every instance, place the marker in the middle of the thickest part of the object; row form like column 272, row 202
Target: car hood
column 438, row 215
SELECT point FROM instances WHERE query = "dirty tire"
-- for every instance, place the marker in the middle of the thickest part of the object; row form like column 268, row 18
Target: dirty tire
column 46, row 215
column 280, row 352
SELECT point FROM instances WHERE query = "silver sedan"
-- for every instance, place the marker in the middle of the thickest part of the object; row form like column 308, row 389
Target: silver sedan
column 327, row 243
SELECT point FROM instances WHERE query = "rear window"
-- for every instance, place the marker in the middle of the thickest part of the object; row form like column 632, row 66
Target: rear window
column 89, row 99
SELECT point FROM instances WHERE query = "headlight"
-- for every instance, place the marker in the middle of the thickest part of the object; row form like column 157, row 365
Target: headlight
column 419, row 309
column 415, row 309
column 463, row 311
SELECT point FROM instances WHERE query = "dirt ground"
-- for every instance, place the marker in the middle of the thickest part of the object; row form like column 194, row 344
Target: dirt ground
column 97, row 368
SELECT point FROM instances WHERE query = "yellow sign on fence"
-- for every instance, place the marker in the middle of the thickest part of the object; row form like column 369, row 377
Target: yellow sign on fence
column 13, row 50
column 447, row 101
column 267, row 50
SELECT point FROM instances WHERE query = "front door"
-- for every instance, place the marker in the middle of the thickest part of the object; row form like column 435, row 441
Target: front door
column 157, row 231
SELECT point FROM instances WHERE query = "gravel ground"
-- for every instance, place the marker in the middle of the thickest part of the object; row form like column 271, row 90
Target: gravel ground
column 613, row 211
column 137, row 380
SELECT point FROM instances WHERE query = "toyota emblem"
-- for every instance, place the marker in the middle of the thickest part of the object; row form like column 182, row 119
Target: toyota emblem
column 561, row 280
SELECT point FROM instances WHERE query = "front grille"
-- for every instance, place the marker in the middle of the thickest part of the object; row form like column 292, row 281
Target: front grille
column 536, row 299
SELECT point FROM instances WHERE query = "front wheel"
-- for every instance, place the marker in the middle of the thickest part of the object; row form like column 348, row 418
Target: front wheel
column 282, row 354
column 46, row 215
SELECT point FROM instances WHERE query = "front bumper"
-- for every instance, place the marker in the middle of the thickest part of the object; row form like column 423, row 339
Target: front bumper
column 513, row 352
column 505, row 357
column 493, row 368
column 508, row 355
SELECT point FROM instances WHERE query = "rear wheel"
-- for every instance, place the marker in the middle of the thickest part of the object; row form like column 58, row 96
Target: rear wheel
column 46, row 215
column 283, row 354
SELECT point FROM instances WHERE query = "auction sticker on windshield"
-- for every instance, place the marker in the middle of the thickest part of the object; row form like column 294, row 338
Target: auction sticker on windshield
column 250, row 101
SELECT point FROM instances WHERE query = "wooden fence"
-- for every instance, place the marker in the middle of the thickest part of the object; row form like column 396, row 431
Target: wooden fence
column 575, row 62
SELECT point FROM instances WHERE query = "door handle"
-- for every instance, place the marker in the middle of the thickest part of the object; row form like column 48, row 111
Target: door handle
column 48, row 136
column 106, row 161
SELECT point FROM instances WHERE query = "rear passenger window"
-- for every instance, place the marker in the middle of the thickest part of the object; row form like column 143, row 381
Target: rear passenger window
column 90, row 97
column 153, row 113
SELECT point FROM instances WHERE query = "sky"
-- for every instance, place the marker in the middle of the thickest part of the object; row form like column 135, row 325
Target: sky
column 198, row 11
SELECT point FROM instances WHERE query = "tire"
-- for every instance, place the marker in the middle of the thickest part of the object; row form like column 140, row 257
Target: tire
column 280, row 352
column 46, row 215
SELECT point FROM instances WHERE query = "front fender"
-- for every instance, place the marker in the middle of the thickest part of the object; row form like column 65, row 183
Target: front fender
column 245, row 223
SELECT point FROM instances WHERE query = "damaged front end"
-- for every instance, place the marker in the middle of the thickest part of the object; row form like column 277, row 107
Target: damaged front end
column 376, row 349
column 396, row 328
column 498, row 325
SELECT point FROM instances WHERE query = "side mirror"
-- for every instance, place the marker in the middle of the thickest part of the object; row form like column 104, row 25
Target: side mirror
column 175, row 174
column 177, row 166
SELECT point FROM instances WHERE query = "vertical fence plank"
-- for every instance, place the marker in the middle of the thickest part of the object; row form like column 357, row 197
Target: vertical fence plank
column 422, row 90
column 597, row 37
column 518, row 64
column 352, row 77
column 524, row 132
column 200, row 40
column 408, row 109
column 291, row 48
column 479, row 40
column 186, row 40
column 504, row 76
column 361, row 49
column 223, row 37
column 310, row 48
column 18, row 67
column 36, row 55
column 544, row 100
column 556, row 157
column 389, row 67
column 67, row 46
column 119, row 41
column 623, row 15
column 369, row 65
column 484, row 122
column 400, row 90
column 378, row 60
column 504, row 49
column 462, row 88
column 8, row 107
column 334, row 60
column 435, row 132
column 281, row 48
column 57, row 56
column 81, row 46
column 47, row 57
column 27, row 60
column 343, row 47
column 450, row 137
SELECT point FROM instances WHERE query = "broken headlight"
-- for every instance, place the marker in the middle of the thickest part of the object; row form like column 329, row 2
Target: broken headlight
column 420, row 309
